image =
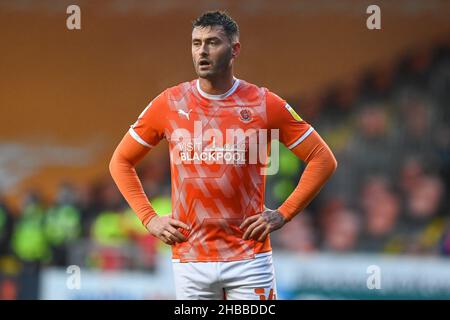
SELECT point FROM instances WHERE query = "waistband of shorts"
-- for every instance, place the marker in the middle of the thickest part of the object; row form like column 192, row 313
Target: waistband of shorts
column 257, row 255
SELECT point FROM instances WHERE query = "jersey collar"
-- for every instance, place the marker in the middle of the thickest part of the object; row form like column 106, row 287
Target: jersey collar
column 218, row 96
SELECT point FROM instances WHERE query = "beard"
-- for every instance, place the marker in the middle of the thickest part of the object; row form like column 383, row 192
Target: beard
column 216, row 68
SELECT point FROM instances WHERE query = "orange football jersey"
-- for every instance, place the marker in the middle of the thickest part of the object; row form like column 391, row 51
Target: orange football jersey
column 217, row 179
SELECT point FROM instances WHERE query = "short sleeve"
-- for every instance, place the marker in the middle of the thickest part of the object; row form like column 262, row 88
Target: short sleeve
column 280, row 115
column 148, row 129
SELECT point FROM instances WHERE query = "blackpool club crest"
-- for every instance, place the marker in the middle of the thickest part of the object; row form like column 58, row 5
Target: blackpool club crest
column 245, row 115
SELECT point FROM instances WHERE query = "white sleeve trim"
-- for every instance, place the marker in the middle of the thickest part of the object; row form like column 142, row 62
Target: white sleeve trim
column 303, row 137
column 138, row 139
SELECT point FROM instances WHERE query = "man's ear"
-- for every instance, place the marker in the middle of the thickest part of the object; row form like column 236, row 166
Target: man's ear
column 235, row 49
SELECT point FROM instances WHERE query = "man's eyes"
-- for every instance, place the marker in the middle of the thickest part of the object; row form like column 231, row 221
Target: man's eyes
column 212, row 42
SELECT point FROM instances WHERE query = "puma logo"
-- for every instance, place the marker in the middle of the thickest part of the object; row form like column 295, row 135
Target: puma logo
column 184, row 113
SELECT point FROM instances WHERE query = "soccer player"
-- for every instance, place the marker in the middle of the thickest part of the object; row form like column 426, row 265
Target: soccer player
column 216, row 126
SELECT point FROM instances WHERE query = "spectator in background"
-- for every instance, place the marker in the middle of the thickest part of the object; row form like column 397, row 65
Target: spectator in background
column 340, row 227
column 342, row 234
column 422, row 222
column 369, row 151
column 110, row 197
column 414, row 132
column 381, row 209
column 62, row 223
column 6, row 228
column 30, row 245
column 88, row 206
column 299, row 236
column 9, row 266
column 28, row 240
column 371, row 146
column 424, row 199
column 155, row 175
column 410, row 174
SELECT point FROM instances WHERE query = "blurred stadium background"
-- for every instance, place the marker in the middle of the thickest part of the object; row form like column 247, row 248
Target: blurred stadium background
column 380, row 99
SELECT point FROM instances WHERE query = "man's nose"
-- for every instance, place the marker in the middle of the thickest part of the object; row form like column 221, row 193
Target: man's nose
column 203, row 50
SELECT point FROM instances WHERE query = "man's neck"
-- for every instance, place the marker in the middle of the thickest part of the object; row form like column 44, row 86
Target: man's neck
column 217, row 86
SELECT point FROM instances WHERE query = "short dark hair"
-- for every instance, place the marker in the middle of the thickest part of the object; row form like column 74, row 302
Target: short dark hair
column 218, row 18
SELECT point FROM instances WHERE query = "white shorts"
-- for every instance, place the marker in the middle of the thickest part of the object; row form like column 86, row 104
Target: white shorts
column 252, row 279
